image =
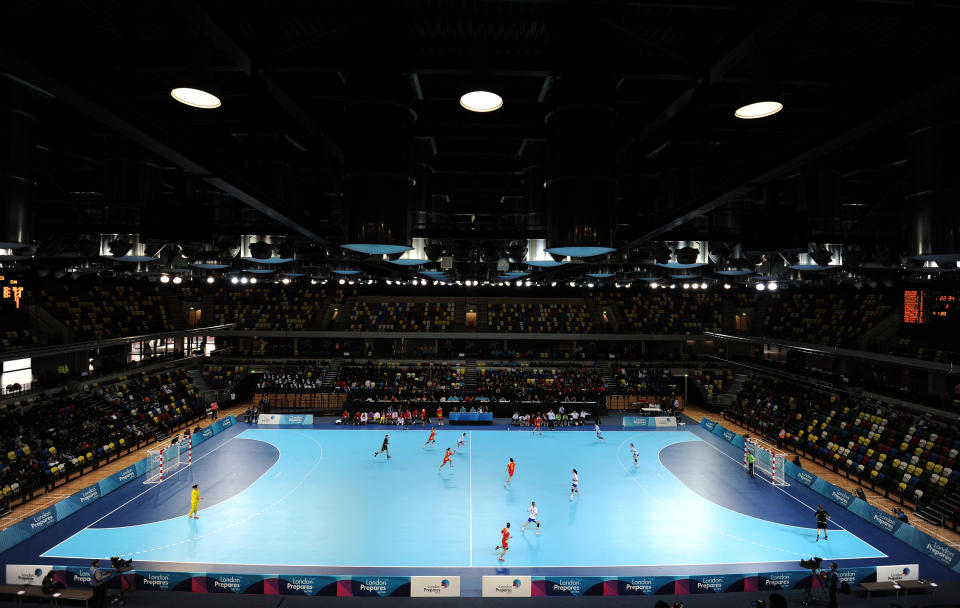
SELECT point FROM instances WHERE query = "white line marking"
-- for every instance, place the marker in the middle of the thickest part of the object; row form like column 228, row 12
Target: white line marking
column 632, row 478
column 796, row 499
column 470, row 485
column 139, row 495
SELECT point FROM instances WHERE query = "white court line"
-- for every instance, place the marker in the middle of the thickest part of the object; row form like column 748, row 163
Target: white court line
column 798, row 500
column 138, row 496
column 632, row 478
column 470, row 485
column 246, row 519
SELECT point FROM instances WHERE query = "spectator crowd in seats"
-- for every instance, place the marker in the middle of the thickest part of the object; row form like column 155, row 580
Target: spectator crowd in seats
column 643, row 381
column 387, row 382
column 107, row 311
column 837, row 318
column 539, row 317
column 274, row 307
column 221, row 377
column 892, row 448
column 15, row 333
column 541, row 384
column 673, row 311
column 293, row 379
column 45, row 437
column 402, row 316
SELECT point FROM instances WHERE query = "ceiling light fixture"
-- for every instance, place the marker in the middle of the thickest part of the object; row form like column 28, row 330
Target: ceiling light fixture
column 164, row 279
column 761, row 286
column 481, row 101
column 210, row 280
column 195, row 98
column 758, row 109
column 177, row 280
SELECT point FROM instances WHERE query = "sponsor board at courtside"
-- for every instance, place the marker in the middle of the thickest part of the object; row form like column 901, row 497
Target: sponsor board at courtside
column 26, row 574
column 903, row 572
column 434, row 586
column 506, row 586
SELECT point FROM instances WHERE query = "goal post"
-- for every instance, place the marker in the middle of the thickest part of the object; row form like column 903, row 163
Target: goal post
column 768, row 462
column 164, row 461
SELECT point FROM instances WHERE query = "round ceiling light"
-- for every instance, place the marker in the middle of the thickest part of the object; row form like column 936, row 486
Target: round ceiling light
column 195, row 98
column 759, row 109
column 481, row 101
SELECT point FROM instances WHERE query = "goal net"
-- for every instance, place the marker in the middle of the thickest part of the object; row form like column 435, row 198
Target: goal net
column 162, row 462
column 768, row 462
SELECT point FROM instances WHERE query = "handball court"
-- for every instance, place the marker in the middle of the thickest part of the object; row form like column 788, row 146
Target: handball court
column 316, row 500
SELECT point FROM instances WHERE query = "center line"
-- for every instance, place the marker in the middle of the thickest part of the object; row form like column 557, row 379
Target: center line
column 470, row 486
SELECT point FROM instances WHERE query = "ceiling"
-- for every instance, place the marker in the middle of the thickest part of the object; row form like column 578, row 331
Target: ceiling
column 864, row 137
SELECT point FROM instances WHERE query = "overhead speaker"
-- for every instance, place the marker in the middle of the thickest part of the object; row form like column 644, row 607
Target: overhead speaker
column 261, row 250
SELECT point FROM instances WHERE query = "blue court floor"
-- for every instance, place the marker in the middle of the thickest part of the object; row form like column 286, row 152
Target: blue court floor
column 291, row 498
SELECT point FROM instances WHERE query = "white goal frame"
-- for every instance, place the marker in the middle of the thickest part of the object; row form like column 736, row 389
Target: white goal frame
column 769, row 462
column 166, row 460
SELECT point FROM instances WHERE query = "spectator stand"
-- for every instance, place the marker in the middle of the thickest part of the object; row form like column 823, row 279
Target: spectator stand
column 530, row 384
column 408, row 314
column 569, row 316
column 644, row 388
column 98, row 312
column 902, row 455
column 101, row 422
column 295, row 387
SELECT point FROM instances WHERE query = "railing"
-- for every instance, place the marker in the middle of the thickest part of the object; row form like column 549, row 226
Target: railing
column 17, row 388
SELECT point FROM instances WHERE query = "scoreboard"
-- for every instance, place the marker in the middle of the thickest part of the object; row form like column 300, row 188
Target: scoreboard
column 11, row 292
column 933, row 307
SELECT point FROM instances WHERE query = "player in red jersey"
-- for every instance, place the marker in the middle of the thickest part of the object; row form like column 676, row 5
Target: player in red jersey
column 536, row 424
column 511, row 467
column 446, row 459
column 433, row 437
column 503, row 542
column 440, row 415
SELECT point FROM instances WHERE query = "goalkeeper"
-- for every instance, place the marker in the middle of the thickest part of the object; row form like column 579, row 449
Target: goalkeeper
column 194, row 502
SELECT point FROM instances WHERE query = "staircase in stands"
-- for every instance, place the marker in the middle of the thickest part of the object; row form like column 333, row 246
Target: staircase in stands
column 606, row 372
column 730, row 397
column 174, row 309
column 471, row 377
column 596, row 316
column 941, row 512
column 330, row 378
column 346, row 311
column 198, row 382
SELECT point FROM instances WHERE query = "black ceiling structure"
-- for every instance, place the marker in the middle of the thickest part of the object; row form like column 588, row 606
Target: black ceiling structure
column 341, row 120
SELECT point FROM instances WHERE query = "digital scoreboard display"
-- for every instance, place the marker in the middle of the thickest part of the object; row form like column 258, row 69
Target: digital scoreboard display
column 930, row 307
column 944, row 307
column 11, row 292
column 914, row 307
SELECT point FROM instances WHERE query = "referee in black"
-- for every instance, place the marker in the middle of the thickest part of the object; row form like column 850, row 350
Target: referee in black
column 383, row 448
column 822, row 522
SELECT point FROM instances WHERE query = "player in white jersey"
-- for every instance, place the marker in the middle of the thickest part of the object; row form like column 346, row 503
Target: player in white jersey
column 636, row 453
column 596, row 427
column 575, row 485
column 462, row 441
column 533, row 518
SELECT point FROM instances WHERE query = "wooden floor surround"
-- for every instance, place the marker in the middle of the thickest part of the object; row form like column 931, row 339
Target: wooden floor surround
column 878, row 500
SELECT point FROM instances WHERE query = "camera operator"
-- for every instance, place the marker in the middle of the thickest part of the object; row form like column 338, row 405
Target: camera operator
column 832, row 579
column 97, row 579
